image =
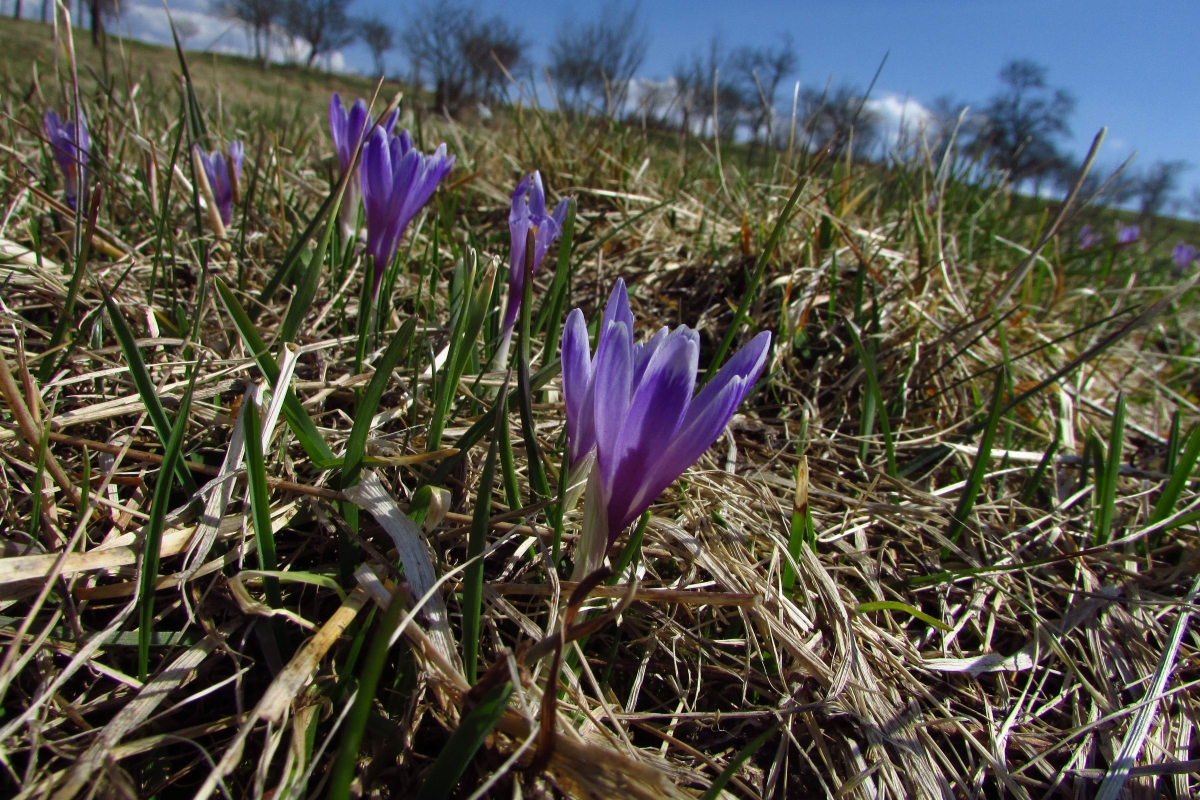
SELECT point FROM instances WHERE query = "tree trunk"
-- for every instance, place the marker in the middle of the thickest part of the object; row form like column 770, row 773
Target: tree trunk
column 97, row 24
column 312, row 55
column 266, row 50
column 17, row 9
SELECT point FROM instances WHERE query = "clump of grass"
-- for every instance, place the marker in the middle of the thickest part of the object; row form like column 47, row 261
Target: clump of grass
column 956, row 601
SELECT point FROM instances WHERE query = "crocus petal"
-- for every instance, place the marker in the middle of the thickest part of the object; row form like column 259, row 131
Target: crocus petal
column 560, row 212
column 218, row 176
column 389, row 123
column 337, row 125
column 396, row 180
column 537, row 197
column 691, row 441
column 617, row 309
column 69, row 144
column 519, row 208
column 576, row 380
column 237, row 154
column 643, row 352
column 614, row 361
column 746, row 363
column 707, row 415
column 655, row 411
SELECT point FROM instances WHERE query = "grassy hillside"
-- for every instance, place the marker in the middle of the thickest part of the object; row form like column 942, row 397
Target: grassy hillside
column 944, row 548
column 229, row 80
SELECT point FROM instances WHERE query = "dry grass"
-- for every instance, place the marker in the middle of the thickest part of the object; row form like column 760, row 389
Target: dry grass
column 1053, row 646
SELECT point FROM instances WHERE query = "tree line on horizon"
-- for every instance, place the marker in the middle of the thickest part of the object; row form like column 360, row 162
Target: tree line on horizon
column 467, row 62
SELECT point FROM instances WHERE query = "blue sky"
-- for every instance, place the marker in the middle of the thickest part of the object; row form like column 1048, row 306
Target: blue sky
column 1133, row 66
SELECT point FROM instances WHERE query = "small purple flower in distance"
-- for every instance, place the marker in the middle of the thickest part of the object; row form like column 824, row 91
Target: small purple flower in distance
column 70, row 145
column 633, row 403
column 1127, row 235
column 397, row 180
column 223, row 173
column 1088, row 238
column 1183, row 255
column 348, row 130
column 529, row 211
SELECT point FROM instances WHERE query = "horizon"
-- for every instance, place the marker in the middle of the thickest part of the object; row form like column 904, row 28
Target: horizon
column 1132, row 90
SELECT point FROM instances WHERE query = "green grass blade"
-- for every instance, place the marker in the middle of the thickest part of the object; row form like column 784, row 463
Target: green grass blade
column 297, row 576
column 260, row 504
column 801, row 523
column 868, row 362
column 293, row 256
column 893, row 605
column 39, row 481
column 458, row 752
column 145, row 386
column 1112, row 471
column 152, row 541
column 66, row 316
column 472, row 592
column 342, row 773
column 970, row 492
column 539, row 488
column 365, row 409
column 195, row 118
column 474, row 307
column 306, row 290
column 487, row 422
column 752, row 747
column 632, row 548
column 1173, row 442
column 352, row 461
column 297, row 418
column 1040, row 473
column 508, row 466
column 752, row 288
column 1185, row 465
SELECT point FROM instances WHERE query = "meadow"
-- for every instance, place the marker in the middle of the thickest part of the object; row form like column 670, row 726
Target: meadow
column 268, row 533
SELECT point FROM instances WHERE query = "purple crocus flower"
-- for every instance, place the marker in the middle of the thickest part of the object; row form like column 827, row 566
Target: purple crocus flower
column 633, row 403
column 70, row 145
column 1127, row 235
column 1183, row 255
column 1088, row 238
column 529, row 212
column 397, row 180
column 223, row 172
column 349, row 129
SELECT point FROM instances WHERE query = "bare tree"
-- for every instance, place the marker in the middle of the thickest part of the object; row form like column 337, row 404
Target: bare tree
column 187, row 29
column 592, row 63
column 758, row 72
column 707, row 91
column 258, row 16
column 490, row 48
column 100, row 10
column 949, row 119
column 322, row 24
column 840, row 118
column 379, row 37
column 465, row 56
column 1156, row 187
column 1022, row 122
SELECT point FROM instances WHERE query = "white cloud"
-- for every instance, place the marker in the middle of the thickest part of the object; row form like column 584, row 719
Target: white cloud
column 147, row 21
column 901, row 118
